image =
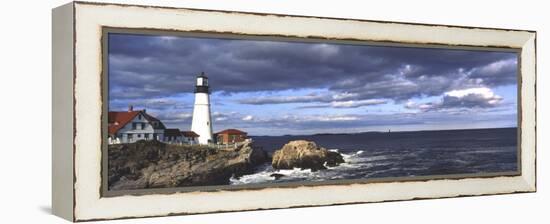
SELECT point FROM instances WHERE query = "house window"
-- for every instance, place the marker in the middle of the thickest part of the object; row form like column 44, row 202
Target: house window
column 130, row 137
column 146, row 136
column 139, row 117
column 139, row 135
column 142, row 126
column 134, row 126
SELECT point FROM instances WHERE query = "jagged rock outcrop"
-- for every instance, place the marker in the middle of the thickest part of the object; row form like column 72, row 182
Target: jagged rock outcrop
column 153, row 164
column 306, row 155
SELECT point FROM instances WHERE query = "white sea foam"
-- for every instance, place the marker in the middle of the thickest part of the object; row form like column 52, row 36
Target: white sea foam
column 265, row 176
column 261, row 176
column 296, row 172
column 374, row 158
column 353, row 160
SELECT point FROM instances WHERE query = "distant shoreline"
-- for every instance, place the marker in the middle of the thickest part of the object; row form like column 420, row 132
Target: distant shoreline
column 365, row 132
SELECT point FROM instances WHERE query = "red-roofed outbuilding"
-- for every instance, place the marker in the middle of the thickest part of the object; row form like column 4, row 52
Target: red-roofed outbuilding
column 230, row 136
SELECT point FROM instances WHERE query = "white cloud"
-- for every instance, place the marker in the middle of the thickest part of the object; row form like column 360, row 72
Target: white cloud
column 410, row 104
column 482, row 91
column 311, row 118
column 337, row 118
column 357, row 103
column 220, row 118
column 343, row 96
column 168, row 38
column 497, row 67
column 325, row 50
column 425, row 106
column 248, row 118
column 407, row 69
column 461, row 99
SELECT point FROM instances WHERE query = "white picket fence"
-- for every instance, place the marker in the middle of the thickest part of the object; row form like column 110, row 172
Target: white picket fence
column 229, row 145
column 212, row 145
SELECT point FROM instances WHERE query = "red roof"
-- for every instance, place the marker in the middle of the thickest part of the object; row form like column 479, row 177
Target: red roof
column 232, row 132
column 189, row 134
column 118, row 119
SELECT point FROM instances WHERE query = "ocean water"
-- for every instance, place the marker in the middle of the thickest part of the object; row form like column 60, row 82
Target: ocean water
column 399, row 154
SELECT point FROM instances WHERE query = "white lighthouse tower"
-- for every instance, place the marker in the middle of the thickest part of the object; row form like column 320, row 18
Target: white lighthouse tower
column 202, row 124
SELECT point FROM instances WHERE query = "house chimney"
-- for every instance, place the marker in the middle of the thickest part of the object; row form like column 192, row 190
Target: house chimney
column 130, row 108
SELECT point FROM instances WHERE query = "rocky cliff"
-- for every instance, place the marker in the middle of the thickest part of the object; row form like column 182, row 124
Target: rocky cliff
column 306, row 155
column 152, row 164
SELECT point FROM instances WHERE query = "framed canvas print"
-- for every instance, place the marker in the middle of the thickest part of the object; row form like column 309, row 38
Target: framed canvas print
column 164, row 111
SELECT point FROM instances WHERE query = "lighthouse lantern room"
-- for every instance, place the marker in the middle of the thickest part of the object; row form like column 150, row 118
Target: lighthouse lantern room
column 201, row 123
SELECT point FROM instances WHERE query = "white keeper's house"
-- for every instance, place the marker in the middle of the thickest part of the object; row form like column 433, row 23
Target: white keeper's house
column 134, row 125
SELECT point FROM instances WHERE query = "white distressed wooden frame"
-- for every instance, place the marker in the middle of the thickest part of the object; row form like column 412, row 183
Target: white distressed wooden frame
column 77, row 30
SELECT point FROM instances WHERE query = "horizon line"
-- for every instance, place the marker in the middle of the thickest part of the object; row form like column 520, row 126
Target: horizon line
column 362, row 132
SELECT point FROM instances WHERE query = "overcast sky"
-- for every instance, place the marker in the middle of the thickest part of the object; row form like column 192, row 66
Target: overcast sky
column 278, row 88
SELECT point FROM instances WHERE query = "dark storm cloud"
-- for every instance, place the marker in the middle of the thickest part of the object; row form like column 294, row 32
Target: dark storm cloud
column 152, row 104
column 154, row 66
column 286, row 99
column 497, row 73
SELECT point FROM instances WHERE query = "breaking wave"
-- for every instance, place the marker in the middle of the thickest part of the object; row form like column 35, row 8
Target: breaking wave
column 266, row 173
